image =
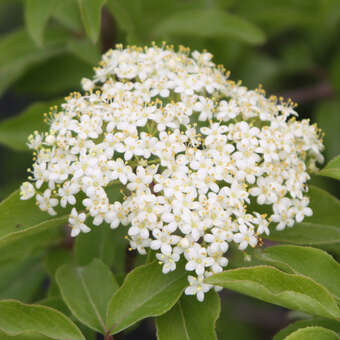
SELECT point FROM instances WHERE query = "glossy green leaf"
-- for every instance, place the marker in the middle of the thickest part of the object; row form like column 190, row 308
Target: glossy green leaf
column 210, row 23
column 311, row 262
column 57, row 257
column 269, row 284
column 104, row 243
column 19, row 215
column 12, row 284
column 17, row 318
column 91, row 15
column 42, row 232
column 24, row 336
column 332, row 169
column 37, row 14
column 15, row 131
column 190, row 319
column 326, row 323
column 24, row 221
column 309, row 234
column 145, row 292
column 19, row 52
column 58, row 304
column 55, row 302
column 310, row 333
column 87, row 291
column 320, row 229
column 232, row 324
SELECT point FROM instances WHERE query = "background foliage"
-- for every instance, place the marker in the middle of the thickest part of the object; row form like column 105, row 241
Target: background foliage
column 46, row 47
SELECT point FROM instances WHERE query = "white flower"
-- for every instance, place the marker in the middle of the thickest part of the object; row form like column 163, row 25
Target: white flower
column 67, row 193
column 264, row 191
column 163, row 241
column 27, row 191
column 205, row 107
column 170, row 149
column 301, row 209
column 139, row 181
column 197, row 259
column 46, row 202
column 217, row 240
column 245, row 237
column 119, row 170
column 87, row 84
column 168, row 261
column 77, row 223
column 197, row 287
column 35, row 140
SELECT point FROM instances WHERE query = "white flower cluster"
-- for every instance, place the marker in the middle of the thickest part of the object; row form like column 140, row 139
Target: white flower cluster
column 192, row 150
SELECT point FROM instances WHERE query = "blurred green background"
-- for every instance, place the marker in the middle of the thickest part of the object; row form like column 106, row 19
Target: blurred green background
column 291, row 47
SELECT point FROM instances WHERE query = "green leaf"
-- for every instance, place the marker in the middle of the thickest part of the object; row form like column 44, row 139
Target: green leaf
column 55, row 302
column 271, row 285
column 210, row 23
column 17, row 318
column 232, row 325
column 280, row 15
column 68, row 14
column 87, row 291
column 332, row 169
column 320, row 229
column 145, row 292
column 335, row 72
column 328, row 119
column 91, row 15
column 56, row 76
column 55, row 258
column 12, row 284
column 19, row 216
column 259, row 66
column 22, row 223
column 19, row 52
column 310, row 333
column 14, row 131
column 37, row 14
column 326, row 323
column 309, row 234
column 24, row 336
column 311, row 262
column 190, row 319
column 40, row 235
column 104, row 243
column 124, row 18
column 84, row 50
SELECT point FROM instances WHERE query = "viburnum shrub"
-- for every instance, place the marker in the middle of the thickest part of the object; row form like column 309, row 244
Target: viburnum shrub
column 201, row 161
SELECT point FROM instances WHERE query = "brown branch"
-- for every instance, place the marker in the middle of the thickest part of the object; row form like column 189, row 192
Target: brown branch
column 108, row 31
column 130, row 259
column 68, row 241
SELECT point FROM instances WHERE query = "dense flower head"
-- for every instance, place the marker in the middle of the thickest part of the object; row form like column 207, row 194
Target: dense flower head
column 192, row 151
